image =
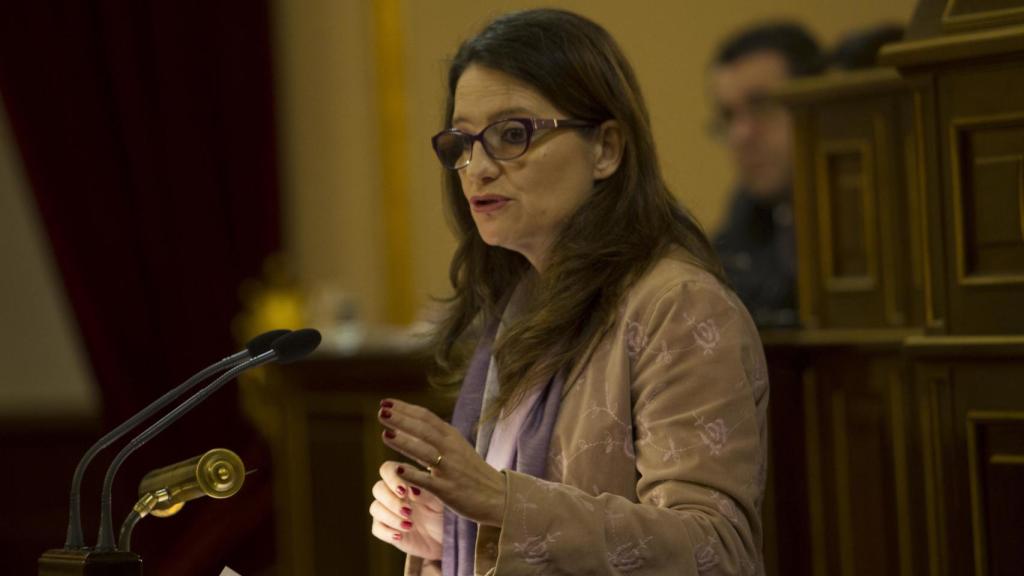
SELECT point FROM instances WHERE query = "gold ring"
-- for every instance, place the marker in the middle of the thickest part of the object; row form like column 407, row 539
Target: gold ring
column 438, row 461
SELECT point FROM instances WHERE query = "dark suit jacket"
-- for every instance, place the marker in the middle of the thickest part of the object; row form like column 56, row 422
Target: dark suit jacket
column 757, row 249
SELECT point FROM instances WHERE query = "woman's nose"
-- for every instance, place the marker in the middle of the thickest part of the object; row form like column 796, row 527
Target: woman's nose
column 481, row 166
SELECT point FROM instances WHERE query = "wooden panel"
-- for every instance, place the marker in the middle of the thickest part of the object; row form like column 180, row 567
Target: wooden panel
column 925, row 222
column 988, row 202
column 858, row 486
column 976, row 448
column 966, row 14
column 982, row 114
column 804, row 221
column 964, row 7
column 932, row 394
column 865, row 156
column 995, row 446
column 861, row 168
column 786, row 530
column 846, row 209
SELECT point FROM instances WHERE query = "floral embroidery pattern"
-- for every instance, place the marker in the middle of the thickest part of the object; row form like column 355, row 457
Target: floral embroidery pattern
column 673, row 452
column 707, row 335
column 629, row 556
column 623, row 439
column 714, row 435
column 705, row 557
column 664, row 356
column 535, row 549
column 636, row 339
column 726, row 506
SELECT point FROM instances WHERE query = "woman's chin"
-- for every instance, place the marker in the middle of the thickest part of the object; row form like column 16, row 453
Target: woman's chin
column 490, row 237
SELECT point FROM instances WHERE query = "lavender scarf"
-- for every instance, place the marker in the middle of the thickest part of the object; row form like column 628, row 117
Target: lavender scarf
column 531, row 447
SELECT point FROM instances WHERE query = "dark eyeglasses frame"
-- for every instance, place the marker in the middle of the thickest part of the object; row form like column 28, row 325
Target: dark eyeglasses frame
column 531, row 125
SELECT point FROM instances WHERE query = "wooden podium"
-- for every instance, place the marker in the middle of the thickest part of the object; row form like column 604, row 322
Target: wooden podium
column 899, row 408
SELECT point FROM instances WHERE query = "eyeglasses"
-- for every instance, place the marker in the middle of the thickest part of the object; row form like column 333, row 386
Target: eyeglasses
column 503, row 140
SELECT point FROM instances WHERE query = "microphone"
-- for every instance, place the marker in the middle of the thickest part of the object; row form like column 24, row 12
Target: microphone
column 286, row 349
column 257, row 346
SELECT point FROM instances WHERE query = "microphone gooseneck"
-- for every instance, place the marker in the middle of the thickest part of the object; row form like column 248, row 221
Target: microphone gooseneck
column 256, row 346
column 289, row 347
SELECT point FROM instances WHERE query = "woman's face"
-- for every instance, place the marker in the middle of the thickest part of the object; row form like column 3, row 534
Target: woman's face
column 521, row 204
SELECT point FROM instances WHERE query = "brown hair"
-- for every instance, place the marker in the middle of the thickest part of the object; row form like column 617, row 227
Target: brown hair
column 626, row 224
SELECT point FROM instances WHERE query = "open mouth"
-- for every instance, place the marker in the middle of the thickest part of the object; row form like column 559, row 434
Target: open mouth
column 487, row 203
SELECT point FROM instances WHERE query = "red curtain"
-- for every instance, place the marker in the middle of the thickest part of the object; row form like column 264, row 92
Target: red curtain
column 147, row 133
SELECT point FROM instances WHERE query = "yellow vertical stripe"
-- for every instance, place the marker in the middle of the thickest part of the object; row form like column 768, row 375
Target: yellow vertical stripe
column 394, row 171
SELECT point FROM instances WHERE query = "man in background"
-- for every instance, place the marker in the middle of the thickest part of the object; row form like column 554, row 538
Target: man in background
column 756, row 242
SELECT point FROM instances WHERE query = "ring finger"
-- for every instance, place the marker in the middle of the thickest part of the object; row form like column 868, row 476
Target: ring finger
column 412, row 447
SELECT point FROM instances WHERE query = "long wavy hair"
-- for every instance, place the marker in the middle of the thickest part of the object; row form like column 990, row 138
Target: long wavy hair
column 629, row 221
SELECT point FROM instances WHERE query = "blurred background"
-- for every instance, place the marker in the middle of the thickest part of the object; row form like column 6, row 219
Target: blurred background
column 176, row 176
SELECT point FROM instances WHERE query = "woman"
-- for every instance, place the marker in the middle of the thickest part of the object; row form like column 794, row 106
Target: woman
column 611, row 417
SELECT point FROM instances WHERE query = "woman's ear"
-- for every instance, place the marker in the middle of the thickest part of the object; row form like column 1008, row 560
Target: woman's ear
column 608, row 147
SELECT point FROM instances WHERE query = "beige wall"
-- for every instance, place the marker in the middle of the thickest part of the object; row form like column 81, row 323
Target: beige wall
column 43, row 368
column 338, row 222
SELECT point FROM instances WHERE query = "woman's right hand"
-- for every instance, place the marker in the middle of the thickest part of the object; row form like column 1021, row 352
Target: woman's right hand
column 407, row 517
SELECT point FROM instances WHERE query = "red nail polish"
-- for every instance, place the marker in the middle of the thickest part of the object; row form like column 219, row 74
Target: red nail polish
column 406, row 511
column 400, row 470
column 415, row 490
column 401, row 491
column 396, row 536
column 389, row 434
column 387, row 404
column 406, row 524
column 385, row 414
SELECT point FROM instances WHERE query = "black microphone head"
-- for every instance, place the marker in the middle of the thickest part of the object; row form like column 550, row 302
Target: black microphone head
column 294, row 346
column 263, row 342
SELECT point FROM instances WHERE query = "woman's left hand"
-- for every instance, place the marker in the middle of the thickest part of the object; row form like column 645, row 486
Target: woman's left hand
column 457, row 474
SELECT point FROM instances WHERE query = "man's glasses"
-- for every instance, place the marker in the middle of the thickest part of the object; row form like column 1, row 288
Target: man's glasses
column 758, row 108
column 503, row 140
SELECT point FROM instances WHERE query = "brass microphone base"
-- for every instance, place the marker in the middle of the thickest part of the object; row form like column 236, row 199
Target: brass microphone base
column 61, row 562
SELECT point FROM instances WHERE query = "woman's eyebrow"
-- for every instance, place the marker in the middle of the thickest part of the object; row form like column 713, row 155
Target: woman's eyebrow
column 508, row 113
column 497, row 115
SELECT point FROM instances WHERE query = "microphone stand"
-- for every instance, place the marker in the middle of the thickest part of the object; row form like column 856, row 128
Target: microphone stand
column 106, row 560
column 106, row 541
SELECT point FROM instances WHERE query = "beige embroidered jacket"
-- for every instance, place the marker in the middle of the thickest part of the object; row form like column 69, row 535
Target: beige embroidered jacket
column 657, row 461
